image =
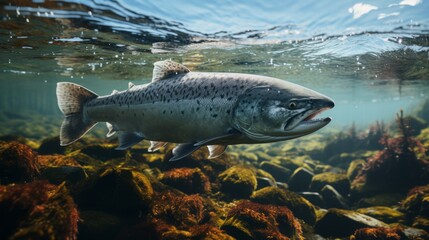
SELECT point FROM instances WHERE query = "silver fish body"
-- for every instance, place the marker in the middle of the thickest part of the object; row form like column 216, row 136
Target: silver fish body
column 195, row 109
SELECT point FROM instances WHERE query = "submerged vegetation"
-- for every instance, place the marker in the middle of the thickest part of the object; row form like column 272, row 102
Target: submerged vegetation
column 352, row 184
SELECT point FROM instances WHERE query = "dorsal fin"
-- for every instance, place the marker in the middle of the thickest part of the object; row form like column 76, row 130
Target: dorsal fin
column 164, row 69
column 130, row 85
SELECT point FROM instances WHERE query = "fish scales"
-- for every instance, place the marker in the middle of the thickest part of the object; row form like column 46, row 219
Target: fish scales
column 201, row 102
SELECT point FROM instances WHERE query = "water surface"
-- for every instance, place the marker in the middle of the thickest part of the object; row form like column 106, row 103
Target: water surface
column 371, row 57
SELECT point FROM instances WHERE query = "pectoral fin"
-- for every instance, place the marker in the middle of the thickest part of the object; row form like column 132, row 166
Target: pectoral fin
column 216, row 150
column 128, row 139
column 183, row 150
column 155, row 146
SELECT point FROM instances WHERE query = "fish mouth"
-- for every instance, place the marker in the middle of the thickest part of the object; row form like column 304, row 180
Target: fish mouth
column 306, row 122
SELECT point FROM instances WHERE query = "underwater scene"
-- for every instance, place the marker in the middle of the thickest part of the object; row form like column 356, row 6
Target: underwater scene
column 225, row 119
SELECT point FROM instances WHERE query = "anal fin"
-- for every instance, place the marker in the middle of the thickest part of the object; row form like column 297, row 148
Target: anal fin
column 183, row 150
column 128, row 139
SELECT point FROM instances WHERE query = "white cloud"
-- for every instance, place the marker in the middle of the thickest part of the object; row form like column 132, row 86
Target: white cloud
column 385, row 15
column 410, row 2
column 360, row 9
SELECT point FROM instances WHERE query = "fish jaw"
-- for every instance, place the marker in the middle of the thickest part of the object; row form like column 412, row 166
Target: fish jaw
column 306, row 123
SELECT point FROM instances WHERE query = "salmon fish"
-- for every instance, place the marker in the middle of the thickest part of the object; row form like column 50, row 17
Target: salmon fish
column 194, row 109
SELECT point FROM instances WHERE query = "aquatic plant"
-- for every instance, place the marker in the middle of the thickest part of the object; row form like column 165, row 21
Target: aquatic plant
column 417, row 201
column 395, row 168
column 180, row 210
column 351, row 140
column 300, row 207
column 249, row 220
column 188, row 180
column 37, row 210
column 380, row 233
column 177, row 216
column 18, row 163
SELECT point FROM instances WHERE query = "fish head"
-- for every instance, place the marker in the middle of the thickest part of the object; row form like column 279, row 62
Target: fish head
column 280, row 112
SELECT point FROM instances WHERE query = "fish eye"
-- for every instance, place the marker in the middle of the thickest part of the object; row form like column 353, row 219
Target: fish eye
column 292, row 105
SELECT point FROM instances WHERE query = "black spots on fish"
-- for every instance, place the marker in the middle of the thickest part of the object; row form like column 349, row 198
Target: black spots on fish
column 142, row 114
column 183, row 112
column 252, row 107
column 228, row 111
column 214, row 115
column 198, row 109
column 211, row 109
column 229, row 99
column 163, row 112
column 198, row 102
column 222, row 96
column 171, row 111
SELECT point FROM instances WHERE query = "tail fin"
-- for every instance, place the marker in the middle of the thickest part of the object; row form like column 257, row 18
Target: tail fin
column 71, row 98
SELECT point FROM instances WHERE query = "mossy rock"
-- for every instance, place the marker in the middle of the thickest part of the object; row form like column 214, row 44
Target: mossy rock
column 264, row 179
column 37, row 210
column 122, row 191
column 300, row 207
column 417, row 202
column 238, row 181
column 67, row 174
column 103, row 152
column 51, row 146
column 421, row 223
column 380, row 233
column 18, row 163
column 100, row 225
column 333, row 199
column 385, row 199
column 383, row 213
column 354, row 168
column 280, row 173
column 46, row 161
column 300, row 180
column 338, row 223
column 83, row 159
column 248, row 220
column 188, row 180
column 314, row 198
column 338, row 180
